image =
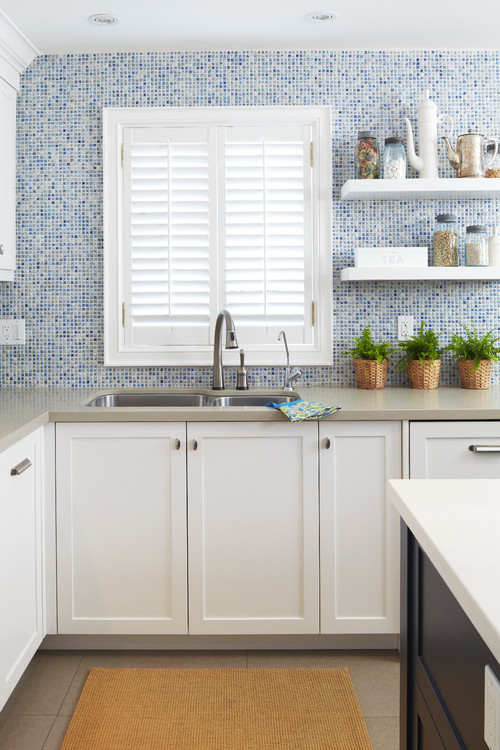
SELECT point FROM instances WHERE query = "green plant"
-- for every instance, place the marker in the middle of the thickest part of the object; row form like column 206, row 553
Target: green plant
column 365, row 348
column 423, row 345
column 473, row 346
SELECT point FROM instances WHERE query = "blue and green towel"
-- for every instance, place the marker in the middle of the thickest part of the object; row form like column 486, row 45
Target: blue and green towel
column 298, row 411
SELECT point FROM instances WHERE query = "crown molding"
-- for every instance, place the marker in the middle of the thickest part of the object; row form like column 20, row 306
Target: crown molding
column 16, row 51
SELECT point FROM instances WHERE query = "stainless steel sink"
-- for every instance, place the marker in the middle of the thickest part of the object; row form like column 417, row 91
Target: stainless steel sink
column 250, row 399
column 149, row 399
column 160, row 399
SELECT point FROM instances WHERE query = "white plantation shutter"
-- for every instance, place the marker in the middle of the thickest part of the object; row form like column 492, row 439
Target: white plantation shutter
column 167, row 238
column 266, row 259
column 211, row 208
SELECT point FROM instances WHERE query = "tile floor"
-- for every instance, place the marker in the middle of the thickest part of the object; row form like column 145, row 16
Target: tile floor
column 38, row 712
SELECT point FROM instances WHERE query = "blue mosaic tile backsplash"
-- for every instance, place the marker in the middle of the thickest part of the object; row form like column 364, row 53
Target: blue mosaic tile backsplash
column 58, row 287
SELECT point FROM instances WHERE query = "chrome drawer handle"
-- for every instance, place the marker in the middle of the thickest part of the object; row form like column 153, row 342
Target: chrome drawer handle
column 328, row 443
column 177, row 445
column 195, row 445
column 1, row 250
column 21, row 466
column 484, row 448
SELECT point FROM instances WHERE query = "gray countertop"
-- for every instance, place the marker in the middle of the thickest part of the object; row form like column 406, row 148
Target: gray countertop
column 24, row 409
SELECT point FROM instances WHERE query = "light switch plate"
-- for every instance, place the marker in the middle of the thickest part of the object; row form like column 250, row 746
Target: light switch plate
column 12, row 332
column 491, row 709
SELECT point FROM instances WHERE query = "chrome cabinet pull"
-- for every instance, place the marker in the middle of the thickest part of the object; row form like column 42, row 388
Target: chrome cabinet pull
column 484, row 448
column 328, row 443
column 177, row 445
column 195, row 445
column 1, row 249
column 21, row 466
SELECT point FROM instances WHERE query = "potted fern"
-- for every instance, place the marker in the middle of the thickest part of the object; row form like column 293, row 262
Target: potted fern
column 370, row 361
column 475, row 355
column 422, row 358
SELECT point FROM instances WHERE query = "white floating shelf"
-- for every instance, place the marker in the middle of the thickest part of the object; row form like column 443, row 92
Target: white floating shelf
column 456, row 188
column 431, row 273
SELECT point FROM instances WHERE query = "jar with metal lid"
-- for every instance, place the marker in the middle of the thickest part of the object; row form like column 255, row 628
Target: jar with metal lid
column 394, row 159
column 367, row 164
column 476, row 246
column 445, row 241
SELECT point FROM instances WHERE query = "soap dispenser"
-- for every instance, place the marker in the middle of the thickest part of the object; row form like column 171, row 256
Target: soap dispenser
column 241, row 375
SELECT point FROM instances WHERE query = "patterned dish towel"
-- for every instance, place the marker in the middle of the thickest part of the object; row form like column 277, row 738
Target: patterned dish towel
column 298, row 411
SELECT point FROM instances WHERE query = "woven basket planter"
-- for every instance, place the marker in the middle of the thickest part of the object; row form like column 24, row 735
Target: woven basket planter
column 424, row 375
column 370, row 374
column 479, row 380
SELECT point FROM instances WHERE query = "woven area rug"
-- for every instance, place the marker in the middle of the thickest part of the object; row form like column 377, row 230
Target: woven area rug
column 217, row 709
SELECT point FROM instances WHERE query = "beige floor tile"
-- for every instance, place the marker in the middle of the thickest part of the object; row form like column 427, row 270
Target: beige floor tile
column 45, row 683
column 290, row 659
column 384, row 733
column 57, row 733
column 25, row 732
column 148, row 659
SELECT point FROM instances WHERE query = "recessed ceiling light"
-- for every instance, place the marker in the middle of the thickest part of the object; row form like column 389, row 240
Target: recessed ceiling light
column 322, row 16
column 103, row 19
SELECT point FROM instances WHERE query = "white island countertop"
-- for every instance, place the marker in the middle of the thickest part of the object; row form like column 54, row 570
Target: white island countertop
column 457, row 524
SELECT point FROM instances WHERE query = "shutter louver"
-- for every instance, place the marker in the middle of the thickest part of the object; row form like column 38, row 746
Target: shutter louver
column 169, row 272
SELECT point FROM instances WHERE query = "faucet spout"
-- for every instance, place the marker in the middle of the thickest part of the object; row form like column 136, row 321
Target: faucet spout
column 231, row 343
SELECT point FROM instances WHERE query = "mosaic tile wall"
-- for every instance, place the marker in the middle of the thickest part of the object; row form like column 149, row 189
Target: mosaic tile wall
column 58, row 287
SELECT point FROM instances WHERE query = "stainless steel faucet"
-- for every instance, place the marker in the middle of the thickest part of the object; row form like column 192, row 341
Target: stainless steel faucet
column 231, row 343
column 291, row 373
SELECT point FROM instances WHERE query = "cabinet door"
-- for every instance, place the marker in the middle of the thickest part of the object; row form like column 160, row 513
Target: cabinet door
column 21, row 627
column 440, row 450
column 121, row 528
column 424, row 734
column 7, row 180
column 253, row 528
column 359, row 527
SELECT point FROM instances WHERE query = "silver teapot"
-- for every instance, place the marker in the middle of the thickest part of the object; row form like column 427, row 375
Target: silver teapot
column 470, row 156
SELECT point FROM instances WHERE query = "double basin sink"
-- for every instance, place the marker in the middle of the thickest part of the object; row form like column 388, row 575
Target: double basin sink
column 161, row 399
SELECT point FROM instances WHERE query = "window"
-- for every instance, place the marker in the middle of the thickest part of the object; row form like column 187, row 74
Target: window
column 213, row 208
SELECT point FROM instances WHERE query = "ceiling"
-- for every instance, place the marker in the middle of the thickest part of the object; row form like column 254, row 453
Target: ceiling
column 60, row 26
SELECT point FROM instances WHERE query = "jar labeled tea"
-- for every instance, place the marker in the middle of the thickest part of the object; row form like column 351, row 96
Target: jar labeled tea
column 476, row 246
column 367, row 163
column 445, row 241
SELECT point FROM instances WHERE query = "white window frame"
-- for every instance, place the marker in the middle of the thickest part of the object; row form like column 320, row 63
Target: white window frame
column 115, row 121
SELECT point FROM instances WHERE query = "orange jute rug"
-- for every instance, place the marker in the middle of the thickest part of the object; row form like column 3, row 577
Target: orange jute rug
column 218, row 709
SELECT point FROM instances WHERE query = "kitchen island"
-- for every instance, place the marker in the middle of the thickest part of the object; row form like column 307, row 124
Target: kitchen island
column 450, row 609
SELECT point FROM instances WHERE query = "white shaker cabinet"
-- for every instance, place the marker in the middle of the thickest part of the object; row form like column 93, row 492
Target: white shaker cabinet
column 455, row 450
column 253, row 528
column 359, row 527
column 21, row 500
column 7, row 180
column 121, row 528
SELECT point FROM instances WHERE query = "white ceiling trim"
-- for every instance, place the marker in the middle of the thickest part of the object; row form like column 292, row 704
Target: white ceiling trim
column 16, row 51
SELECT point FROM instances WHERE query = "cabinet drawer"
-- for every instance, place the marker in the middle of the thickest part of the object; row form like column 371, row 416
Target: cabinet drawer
column 442, row 450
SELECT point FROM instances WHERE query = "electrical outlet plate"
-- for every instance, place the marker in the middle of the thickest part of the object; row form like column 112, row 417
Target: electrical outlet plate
column 405, row 327
column 491, row 709
column 12, row 332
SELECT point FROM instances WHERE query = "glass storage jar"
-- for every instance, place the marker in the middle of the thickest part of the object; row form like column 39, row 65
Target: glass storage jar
column 367, row 156
column 394, row 159
column 445, row 241
column 476, row 246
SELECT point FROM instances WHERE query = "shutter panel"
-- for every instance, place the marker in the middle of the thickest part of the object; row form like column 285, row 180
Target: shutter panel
column 167, row 236
column 267, row 231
